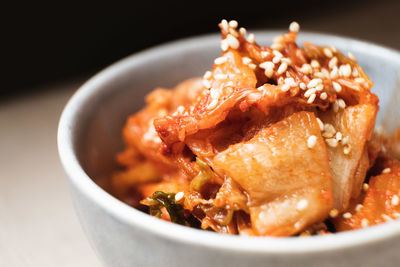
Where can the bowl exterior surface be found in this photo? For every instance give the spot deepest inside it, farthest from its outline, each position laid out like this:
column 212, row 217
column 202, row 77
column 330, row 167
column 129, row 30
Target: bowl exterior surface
column 90, row 136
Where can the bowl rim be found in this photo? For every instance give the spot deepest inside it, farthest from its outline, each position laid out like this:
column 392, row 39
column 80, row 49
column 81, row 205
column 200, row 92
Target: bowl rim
column 116, row 208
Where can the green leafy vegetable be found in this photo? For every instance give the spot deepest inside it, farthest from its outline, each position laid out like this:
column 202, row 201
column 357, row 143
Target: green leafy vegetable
column 159, row 200
column 204, row 175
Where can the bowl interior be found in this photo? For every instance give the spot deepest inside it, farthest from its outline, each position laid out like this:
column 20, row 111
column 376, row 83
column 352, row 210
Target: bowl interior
column 124, row 93
column 112, row 95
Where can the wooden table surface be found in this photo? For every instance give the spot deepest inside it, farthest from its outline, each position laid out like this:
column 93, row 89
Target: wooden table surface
column 38, row 226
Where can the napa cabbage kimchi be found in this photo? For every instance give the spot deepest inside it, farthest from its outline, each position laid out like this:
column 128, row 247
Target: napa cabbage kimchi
column 274, row 140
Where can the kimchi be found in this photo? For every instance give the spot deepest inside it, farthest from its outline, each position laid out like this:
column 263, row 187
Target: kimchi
column 272, row 141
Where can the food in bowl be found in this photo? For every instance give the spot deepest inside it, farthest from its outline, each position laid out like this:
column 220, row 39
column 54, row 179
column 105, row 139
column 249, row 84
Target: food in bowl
column 273, row 141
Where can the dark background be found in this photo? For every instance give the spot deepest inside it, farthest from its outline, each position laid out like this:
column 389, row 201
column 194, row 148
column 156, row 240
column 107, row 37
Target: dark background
column 46, row 42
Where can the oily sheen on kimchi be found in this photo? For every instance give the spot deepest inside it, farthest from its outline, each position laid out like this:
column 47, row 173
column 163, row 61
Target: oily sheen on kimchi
column 272, row 141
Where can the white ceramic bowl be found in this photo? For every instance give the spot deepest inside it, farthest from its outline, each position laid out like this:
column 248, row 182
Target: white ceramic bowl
column 89, row 136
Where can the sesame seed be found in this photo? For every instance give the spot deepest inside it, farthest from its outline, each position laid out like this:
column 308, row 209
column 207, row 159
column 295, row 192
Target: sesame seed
column 225, row 25
column 386, row 217
column 395, row 200
column 224, row 45
column 314, row 82
column 325, row 71
column 180, row 109
column 252, row 66
column 331, row 142
column 311, row 141
column 309, row 92
column 320, row 75
column 214, row 93
column 358, row 207
column 338, row 136
column 323, row 96
column 321, row 124
column 269, row 68
column 291, row 82
column 213, row 103
column 220, row 60
column 319, row 87
column 359, row 80
column 333, row 48
column 302, row 204
column 333, row 62
column 277, row 46
column 303, row 86
column 351, row 56
column 233, row 32
column 334, row 73
column 220, row 76
column 276, row 60
column 396, row 215
column 347, row 215
column 345, row 70
column 232, row 41
column 337, row 87
column 311, row 98
column 261, row 88
column 364, row 223
column 315, row 63
column 206, row 83
column 294, row 27
column 386, row 170
column 355, row 72
column 346, row 149
column 287, row 60
column 285, row 87
column 264, row 53
column 328, row 52
column 306, row 68
column 345, row 140
column 207, row 75
column 267, row 65
column 328, row 134
column 179, row 196
column 329, row 128
column 269, row 72
column 282, row 68
column 277, row 53
column 242, row 31
column 334, row 213
column 341, row 103
column 251, row 38
column 246, row 60
column 233, row 23
column 365, row 186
